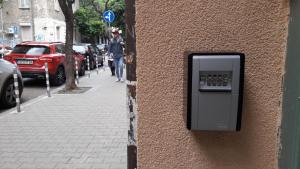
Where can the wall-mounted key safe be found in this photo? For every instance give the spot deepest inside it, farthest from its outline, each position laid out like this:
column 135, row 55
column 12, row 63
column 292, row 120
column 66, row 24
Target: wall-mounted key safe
column 215, row 91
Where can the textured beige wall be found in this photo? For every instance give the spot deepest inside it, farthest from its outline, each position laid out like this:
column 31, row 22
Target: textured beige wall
column 166, row 29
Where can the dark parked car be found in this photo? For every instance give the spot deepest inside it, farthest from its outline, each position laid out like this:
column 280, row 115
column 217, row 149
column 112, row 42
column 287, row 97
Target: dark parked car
column 92, row 51
column 97, row 53
column 103, row 48
column 7, row 89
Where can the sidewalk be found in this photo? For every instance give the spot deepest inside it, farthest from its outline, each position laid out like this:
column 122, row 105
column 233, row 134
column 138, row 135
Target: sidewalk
column 69, row 131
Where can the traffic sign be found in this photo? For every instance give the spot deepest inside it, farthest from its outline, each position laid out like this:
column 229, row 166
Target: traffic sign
column 109, row 16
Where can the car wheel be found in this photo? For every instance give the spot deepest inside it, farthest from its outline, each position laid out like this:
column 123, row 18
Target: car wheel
column 59, row 78
column 8, row 97
column 93, row 64
column 82, row 69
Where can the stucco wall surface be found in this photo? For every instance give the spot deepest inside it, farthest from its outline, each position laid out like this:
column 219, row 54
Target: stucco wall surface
column 169, row 28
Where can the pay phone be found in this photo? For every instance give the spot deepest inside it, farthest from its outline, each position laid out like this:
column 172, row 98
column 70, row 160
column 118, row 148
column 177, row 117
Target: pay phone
column 215, row 91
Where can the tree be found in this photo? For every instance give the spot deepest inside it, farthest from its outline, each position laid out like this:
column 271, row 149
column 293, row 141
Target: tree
column 85, row 3
column 96, row 9
column 99, row 5
column 89, row 18
column 118, row 7
column 89, row 22
column 66, row 7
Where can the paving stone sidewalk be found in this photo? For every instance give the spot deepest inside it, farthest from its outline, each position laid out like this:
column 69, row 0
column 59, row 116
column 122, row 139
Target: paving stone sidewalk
column 69, row 131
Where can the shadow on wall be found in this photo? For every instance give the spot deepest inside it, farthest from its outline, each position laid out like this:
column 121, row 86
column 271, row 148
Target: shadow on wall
column 224, row 147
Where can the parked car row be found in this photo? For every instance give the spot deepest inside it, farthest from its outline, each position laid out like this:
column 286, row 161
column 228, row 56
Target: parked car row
column 5, row 50
column 30, row 58
column 91, row 51
column 7, row 93
column 103, row 47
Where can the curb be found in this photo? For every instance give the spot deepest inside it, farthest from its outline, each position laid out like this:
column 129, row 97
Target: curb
column 39, row 98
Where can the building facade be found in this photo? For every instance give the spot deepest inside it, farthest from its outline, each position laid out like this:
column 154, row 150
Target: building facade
column 38, row 20
column 267, row 32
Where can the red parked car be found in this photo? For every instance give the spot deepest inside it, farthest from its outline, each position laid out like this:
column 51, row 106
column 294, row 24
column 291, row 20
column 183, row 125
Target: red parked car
column 31, row 57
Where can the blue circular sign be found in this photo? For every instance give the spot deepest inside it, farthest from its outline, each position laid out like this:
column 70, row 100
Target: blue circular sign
column 108, row 16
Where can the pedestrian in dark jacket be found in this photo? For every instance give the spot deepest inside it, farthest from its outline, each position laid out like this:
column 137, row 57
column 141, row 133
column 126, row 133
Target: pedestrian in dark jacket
column 115, row 50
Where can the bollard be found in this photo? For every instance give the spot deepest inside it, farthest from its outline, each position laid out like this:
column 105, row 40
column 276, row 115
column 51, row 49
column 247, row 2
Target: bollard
column 76, row 68
column 97, row 64
column 17, row 93
column 88, row 66
column 47, row 79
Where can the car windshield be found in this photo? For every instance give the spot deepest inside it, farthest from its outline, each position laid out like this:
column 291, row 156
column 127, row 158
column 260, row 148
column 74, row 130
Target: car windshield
column 79, row 49
column 31, row 50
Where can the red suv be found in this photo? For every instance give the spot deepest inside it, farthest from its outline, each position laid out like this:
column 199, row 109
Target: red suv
column 31, row 57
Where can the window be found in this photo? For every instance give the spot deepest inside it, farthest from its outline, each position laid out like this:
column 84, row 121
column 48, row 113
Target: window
column 57, row 33
column 26, row 33
column 59, row 48
column 24, row 3
column 31, row 50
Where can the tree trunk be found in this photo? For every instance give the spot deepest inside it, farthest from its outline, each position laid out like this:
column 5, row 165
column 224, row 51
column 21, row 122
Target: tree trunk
column 66, row 7
column 69, row 64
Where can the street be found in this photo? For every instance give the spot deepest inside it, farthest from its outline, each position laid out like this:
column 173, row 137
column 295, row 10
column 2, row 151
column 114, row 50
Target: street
column 32, row 89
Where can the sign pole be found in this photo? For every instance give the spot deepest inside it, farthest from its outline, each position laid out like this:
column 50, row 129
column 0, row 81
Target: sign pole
column 109, row 31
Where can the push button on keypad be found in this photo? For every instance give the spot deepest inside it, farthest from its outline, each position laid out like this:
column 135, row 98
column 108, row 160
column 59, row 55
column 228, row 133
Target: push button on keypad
column 215, row 80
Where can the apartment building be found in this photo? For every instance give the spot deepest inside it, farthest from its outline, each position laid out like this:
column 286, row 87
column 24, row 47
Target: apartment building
column 27, row 20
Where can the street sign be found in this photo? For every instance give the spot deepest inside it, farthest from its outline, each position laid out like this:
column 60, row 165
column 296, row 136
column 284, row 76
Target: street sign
column 108, row 16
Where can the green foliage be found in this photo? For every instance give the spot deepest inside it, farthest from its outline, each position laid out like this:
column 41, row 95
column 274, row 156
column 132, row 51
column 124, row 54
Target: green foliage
column 118, row 7
column 86, row 3
column 89, row 22
column 93, row 10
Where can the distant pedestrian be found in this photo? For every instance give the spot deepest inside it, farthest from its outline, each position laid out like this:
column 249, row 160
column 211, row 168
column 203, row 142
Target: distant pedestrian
column 115, row 50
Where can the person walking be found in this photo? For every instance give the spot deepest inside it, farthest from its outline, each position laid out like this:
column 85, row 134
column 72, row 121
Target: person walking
column 115, row 50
